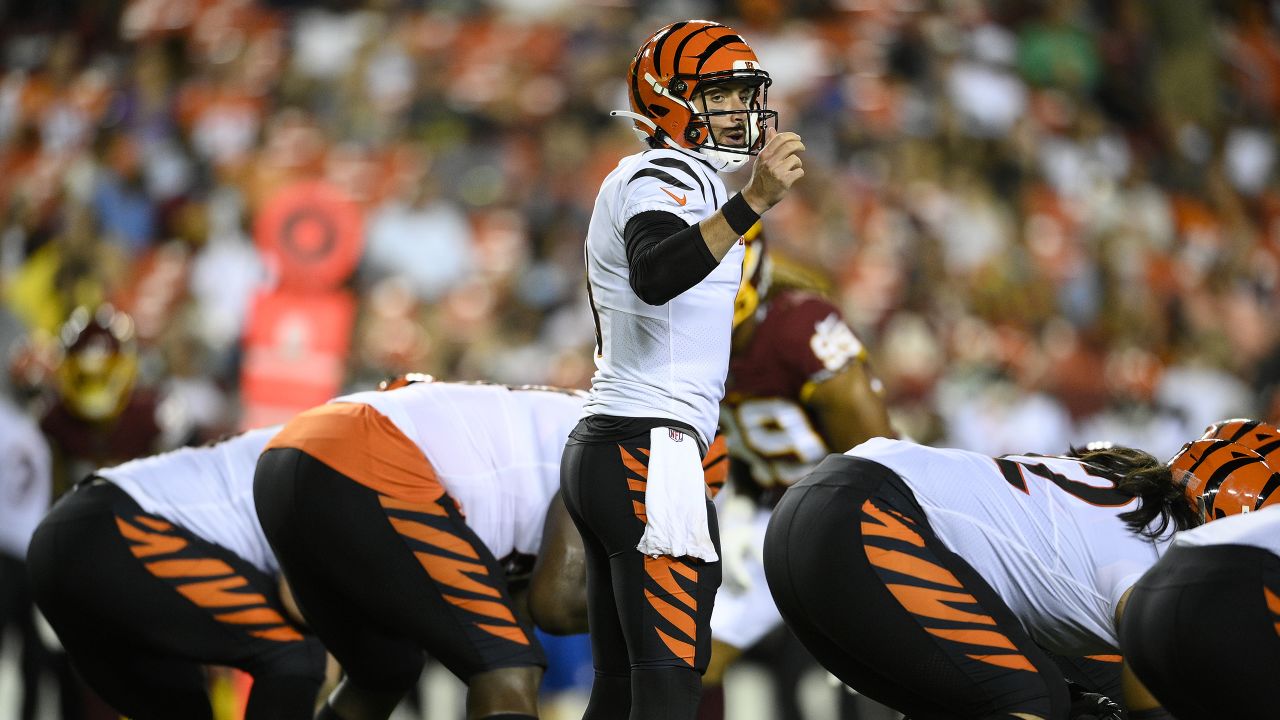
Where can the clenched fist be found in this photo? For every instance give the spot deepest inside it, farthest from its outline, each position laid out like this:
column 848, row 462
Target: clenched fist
column 777, row 168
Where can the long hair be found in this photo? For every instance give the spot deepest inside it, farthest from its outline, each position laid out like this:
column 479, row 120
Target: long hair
column 1141, row 475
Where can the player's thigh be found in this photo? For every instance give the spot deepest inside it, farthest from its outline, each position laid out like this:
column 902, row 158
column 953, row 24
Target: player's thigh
column 161, row 588
column 663, row 604
column 379, row 578
column 608, row 644
column 884, row 606
column 139, row 684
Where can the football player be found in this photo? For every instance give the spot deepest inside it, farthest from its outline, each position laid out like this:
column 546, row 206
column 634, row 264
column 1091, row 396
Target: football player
column 150, row 570
column 663, row 264
column 1207, row 615
column 400, row 518
column 799, row 386
column 928, row 579
column 100, row 416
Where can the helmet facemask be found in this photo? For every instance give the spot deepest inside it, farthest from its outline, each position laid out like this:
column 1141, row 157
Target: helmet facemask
column 668, row 78
column 699, row 131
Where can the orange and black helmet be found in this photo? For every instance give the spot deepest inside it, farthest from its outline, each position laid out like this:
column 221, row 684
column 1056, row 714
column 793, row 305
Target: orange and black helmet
column 672, row 70
column 1222, row 478
column 1260, row 437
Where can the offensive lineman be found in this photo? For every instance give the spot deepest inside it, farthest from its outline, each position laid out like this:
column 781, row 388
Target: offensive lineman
column 963, row 564
column 401, row 518
column 152, row 569
column 663, row 266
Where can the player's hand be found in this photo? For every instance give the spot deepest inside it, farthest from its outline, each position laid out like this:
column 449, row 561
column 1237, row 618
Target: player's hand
column 777, row 168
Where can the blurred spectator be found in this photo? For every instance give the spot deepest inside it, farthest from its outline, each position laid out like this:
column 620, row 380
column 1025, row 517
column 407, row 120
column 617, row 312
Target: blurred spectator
column 418, row 235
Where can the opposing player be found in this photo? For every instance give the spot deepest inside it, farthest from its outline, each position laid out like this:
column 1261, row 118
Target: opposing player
column 961, row 566
column 1207, row 615
column 398, row 517
column 100, row 416
column 663, row 267
column 151, row 570
column 799, row 386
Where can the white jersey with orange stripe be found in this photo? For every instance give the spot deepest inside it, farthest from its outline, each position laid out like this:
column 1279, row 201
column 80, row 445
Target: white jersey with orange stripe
column 495, row 449
column 206, row 490
column 670, row 360
column 1043, row 531
column 1259, row 529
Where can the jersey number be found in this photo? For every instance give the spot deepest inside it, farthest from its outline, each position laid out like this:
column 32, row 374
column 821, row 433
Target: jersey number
column 781, row 444
column 1015, row 473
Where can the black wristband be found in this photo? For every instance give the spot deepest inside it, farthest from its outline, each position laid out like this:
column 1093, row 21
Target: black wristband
column 739, row 214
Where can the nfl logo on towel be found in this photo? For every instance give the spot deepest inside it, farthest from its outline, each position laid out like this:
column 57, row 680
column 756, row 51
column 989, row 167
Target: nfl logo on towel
column 675, row 435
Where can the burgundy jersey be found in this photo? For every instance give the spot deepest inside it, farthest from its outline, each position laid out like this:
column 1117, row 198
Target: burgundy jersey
column 80, row 447
column 773, row 441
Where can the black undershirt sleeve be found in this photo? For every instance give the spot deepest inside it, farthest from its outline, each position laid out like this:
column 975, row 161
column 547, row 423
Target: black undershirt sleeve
column 665, row 256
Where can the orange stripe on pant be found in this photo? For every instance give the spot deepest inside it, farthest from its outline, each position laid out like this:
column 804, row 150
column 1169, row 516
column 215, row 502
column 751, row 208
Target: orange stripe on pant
column 207, row 594
column 931, row 603
column 454, row 573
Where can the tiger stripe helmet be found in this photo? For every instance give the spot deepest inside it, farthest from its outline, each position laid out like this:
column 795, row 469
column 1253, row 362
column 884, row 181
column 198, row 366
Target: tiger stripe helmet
column 1222, row 478
column 674, row 67
column 1260, row 437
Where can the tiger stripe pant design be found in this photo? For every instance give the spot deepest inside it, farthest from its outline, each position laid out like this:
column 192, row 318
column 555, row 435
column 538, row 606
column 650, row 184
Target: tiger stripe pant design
column 864, row 583
column 141, row 604
column 644, row 611
column 382, row 579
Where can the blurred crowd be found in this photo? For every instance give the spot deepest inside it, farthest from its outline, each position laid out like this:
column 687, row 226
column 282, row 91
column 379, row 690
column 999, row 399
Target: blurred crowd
column 1051, row 222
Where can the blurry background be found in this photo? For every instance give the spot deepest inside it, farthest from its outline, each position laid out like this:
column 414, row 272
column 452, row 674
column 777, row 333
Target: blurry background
column 1051, row 222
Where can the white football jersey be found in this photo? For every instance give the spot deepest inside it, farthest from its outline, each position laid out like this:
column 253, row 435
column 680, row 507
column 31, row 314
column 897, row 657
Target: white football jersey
column 206, row 490
column 26, row 480
column 666, row 361
column 1042, row 531
column 495, row 449
column 1260, row 529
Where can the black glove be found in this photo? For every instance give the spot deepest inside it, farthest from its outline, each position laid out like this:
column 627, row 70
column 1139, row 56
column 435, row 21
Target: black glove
column 1092, row 706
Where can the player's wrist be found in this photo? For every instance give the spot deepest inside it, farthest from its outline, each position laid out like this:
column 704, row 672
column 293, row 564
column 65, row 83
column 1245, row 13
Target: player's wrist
column 740, row 214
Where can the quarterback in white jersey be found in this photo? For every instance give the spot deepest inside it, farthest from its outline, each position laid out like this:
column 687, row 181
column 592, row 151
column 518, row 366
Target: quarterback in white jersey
column 404, row 519
column 664, row 260
column 929, row 579
column 149, row 570
column 664, row 360
column 1201, row 629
